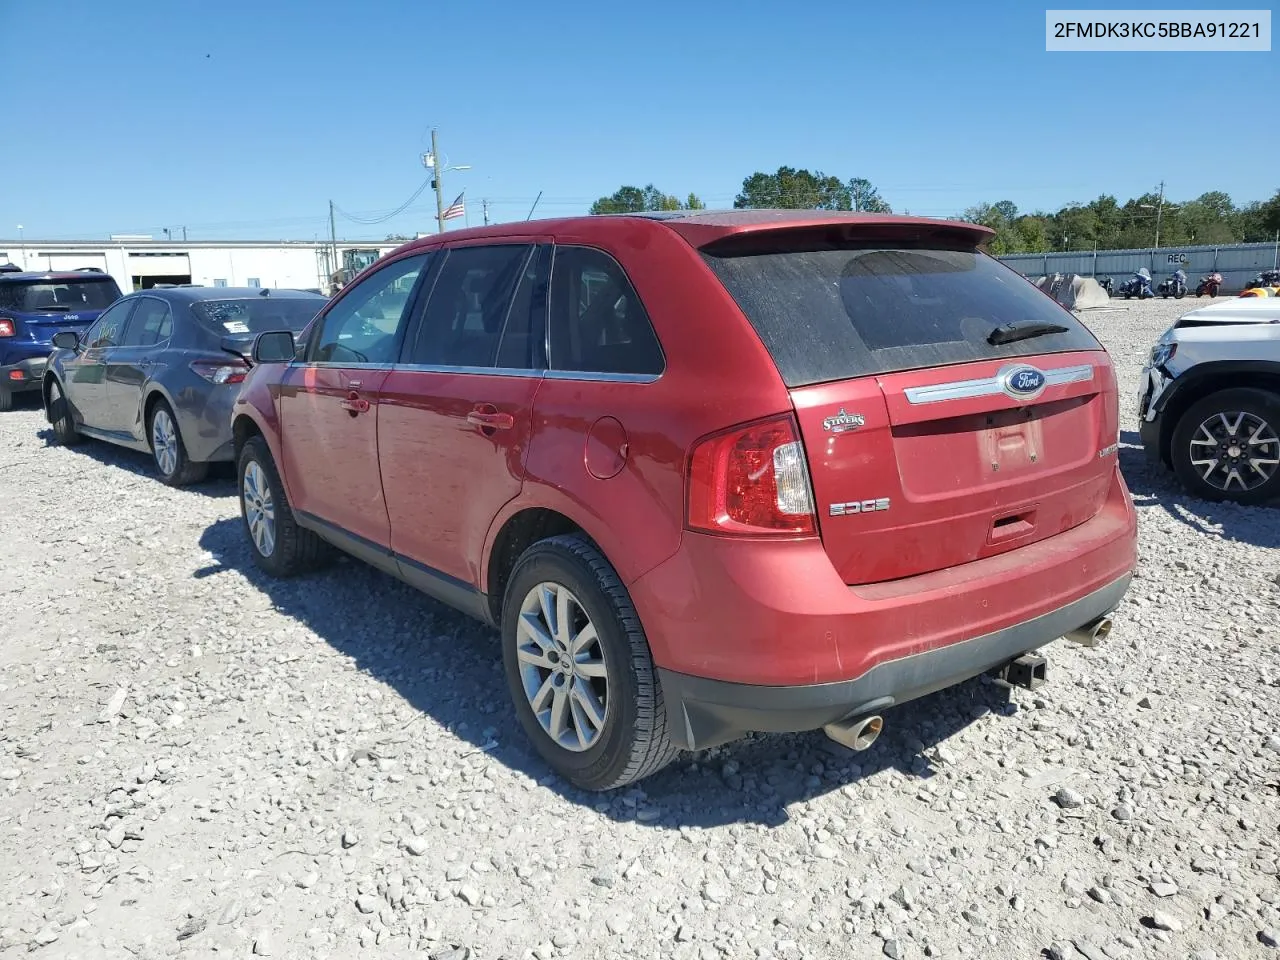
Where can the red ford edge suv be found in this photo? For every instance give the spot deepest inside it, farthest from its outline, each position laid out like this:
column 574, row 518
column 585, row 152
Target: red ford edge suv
column 707, row 473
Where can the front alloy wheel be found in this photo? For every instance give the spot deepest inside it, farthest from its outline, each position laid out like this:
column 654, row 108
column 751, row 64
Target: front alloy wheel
column 562, row 667
column 1226, row 446
column 259, row 508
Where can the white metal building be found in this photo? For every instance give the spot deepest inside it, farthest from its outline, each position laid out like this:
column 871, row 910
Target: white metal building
column 141, row 262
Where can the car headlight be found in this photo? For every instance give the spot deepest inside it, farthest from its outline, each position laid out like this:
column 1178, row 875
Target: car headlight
column 1162, row 353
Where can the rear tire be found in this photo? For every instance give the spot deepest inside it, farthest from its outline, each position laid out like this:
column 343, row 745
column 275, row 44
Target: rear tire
column 58, row 411
column 609, row 675
column 169, row 452
column 1254, row 415
column 6, row 401
column 279, row 546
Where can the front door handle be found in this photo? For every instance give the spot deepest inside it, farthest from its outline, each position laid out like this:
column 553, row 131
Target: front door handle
column 488, row 420
column 354, row 404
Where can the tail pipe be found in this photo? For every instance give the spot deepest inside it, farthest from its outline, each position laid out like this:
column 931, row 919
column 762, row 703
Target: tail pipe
column 1091, row 634
column 855, row 734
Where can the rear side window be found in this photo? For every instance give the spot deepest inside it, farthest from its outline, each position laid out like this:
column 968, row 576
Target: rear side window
column 597, row 322
column 150, row 324
column 467, row 311
column 58, row 296
column 833, row 314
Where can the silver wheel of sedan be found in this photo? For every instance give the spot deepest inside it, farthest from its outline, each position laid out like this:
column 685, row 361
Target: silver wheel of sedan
column 259, row 508
column 562, row 667
column 164, row 441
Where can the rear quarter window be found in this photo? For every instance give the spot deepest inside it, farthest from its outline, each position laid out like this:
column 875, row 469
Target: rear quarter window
column 833, row 314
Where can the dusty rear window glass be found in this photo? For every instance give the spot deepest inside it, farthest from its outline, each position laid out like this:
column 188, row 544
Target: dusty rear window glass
column 257, row 315
column 833, row 314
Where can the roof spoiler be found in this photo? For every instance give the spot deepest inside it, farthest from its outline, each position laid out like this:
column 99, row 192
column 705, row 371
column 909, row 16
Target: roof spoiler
column 836, row 235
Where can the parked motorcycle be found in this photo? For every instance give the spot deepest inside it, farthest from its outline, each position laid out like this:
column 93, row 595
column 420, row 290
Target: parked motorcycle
column 1209, row 285
column 1106, row 284
column 1138, row 285
column 1265, row 284
column 1174, row 285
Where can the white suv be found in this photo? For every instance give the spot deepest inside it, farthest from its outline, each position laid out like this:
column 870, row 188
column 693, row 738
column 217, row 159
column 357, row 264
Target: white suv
column 1209, row 401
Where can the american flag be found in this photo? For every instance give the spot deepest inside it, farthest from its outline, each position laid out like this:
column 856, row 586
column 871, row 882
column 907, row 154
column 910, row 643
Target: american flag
column 455, row 209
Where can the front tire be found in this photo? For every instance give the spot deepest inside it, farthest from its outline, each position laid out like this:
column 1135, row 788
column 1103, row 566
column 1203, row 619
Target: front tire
column 1227, row 446
column 279, row 546
column 169, row 452
column 60, row 417
column 579, row 668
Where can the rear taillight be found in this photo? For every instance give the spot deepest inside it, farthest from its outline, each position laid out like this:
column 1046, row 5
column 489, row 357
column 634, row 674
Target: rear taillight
column 751, row 480
column 221, row 371
column 6, row 327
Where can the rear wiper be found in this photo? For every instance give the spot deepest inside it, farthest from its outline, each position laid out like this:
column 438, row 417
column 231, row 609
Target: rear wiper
column 1012, row 332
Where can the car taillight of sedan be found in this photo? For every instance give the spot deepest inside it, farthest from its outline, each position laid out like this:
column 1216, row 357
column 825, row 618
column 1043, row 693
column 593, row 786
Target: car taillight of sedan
column 221, row 371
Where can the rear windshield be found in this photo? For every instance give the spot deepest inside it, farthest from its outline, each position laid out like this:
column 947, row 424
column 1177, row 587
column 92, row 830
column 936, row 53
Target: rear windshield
column 58, row 296
column 257, row 314
column 832, row 314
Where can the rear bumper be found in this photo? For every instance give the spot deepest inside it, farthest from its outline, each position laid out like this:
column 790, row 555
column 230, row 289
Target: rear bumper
column 204, row 418
column 709, row 712
column 755, row 616
column 23, row 375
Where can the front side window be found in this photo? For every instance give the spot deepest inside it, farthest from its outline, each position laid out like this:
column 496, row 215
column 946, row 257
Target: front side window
column 107, row 331
column 365, row 325
column 150, row 324
column 466, row 315
column 597, row 323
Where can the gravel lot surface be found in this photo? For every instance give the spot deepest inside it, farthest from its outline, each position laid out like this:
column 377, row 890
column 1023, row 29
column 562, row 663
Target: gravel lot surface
column 197, row 761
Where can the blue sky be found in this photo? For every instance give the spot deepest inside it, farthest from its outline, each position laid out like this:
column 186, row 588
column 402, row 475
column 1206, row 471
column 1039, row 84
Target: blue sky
column 241, row 119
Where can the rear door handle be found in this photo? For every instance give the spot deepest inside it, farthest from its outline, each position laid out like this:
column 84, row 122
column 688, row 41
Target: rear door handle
column 353, row 403
column 494, row 420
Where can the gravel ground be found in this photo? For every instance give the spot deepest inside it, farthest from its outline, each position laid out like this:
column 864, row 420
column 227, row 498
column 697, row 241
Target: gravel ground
column 196, row 760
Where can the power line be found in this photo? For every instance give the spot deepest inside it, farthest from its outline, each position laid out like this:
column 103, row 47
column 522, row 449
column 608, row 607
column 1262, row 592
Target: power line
column 394, row 213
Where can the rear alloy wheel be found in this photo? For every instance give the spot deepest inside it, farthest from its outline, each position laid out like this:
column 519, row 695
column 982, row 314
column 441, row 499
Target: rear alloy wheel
column 59, row 414
column 579, row 668
column 175, row 467
column 1227, row 446
column 279, row 546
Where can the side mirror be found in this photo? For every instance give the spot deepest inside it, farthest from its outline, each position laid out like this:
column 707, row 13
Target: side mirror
column 275, row 346
column 66, row 340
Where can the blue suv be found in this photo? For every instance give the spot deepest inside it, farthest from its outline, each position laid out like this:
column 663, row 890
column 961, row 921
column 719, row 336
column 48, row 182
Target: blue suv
column 35, row 306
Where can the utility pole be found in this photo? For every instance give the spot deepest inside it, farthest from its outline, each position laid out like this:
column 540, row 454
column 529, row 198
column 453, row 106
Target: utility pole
column 1159, row 210
column 485, row 205
column 333, row 243
column 184, row 234
column 437, row 173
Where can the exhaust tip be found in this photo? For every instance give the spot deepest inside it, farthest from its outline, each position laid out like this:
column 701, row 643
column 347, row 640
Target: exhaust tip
column 855, row 734
column 1091, row 634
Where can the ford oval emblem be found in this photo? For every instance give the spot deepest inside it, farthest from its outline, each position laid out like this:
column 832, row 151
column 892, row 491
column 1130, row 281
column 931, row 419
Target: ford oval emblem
column 1023, row 382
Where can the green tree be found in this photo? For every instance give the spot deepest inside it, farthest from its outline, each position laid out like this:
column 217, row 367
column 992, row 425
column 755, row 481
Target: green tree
column 1033, row 233
column 793, row 189
column 1007, row 210
column 641, row 199
column 865, row 198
